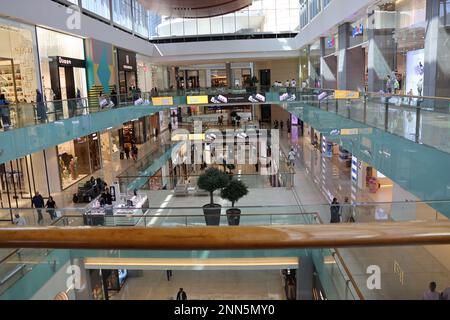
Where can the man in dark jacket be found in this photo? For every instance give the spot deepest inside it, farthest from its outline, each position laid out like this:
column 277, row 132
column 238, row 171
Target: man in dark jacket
column 335, row 211
column 38, row 203
column 181, row 295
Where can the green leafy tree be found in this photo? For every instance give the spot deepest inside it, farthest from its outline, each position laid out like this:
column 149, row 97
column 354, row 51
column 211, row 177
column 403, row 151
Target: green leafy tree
column 234, row 191
column 211, row 180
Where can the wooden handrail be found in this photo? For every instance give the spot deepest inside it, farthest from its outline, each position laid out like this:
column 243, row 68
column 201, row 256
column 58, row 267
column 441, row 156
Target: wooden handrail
column 230, row 238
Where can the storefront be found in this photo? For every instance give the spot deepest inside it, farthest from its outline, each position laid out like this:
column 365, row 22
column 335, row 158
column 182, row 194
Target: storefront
column 164, row 120
column 78, row 159
column 128, row 78
column 149, row 75
column 154, row 124
column 133, row 132
column 399, row 38
column 110, row 145
column 19, row 70
column 63, row 68
column 21, row 178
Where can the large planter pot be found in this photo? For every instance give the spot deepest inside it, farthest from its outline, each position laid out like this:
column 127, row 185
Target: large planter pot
column 234, row 216
column 212, row 214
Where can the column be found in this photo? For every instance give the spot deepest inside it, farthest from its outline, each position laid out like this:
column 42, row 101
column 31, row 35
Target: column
column 229, row 73
column 328, row 67
column 343, row 35
column 351, row 62
column 208, row 78
column 382, row 51
column 305, row 276
column 432, row 49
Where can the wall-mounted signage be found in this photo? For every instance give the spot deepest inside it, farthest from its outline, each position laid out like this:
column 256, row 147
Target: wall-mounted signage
column 331, row 43
column 162, row 101
column 237, row 98
column 346, row 94
column 358, row 31
column 126, row 60
column 197, row 100
column 69, row 62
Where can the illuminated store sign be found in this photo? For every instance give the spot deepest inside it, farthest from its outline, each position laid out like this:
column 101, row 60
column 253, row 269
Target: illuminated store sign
column 358, row 31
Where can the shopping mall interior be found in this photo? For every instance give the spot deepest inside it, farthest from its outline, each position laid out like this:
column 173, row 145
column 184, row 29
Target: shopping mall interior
column 240, row 150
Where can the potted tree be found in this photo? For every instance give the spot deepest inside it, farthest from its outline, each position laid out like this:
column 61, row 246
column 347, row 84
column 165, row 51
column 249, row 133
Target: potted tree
column 234, row 192
column 211, row 180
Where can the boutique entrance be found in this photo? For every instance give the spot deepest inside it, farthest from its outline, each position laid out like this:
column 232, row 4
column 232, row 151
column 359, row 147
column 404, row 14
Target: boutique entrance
column 68, row 81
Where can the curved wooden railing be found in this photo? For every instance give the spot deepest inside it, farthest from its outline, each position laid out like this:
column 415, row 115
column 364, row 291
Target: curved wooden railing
column 230, row 238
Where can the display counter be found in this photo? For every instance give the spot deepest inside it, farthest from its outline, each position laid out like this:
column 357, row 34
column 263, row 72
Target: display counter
column 125, row 212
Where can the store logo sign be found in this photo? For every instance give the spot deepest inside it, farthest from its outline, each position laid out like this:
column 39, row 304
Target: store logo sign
column 73, row 22
column 358, row 31
column 64, row 61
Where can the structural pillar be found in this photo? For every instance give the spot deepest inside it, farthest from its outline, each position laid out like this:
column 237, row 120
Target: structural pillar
column 382, row 53
column 328, row 67
column 229, row 75
column 432, row 49
column 344, row 39
column 305, row 276
column 351, row 62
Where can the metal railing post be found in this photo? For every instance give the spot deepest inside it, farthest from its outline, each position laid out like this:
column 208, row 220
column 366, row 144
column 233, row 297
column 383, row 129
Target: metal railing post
column 365, row 108
column 386, row 116
column 417, row 125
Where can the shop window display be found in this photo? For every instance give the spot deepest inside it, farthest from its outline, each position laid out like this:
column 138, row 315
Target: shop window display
column 69, row 165
column 78, row 159
column 18, row 81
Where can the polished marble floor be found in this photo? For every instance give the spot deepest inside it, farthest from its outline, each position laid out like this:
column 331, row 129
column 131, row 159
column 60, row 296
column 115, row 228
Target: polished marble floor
column 205, row 285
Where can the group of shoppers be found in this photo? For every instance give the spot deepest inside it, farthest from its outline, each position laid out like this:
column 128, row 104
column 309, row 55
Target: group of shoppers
column 39, row 204
column 133, row 151
column 341, row 213
column 433, row 294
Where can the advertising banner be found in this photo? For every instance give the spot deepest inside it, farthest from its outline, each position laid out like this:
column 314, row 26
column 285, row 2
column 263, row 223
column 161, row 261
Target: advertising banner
column 237, row 98
column 414, row 72
column 197, row 100
column 345, row 94
column 288, row 97
column 162, row 101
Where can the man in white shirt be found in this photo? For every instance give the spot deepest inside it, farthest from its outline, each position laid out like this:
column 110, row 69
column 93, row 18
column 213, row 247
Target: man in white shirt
column 19, row 221
column 431, row 294
column 293, row 83
column 286, row 84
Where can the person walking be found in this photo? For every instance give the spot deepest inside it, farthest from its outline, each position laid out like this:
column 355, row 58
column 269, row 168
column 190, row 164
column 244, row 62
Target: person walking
column 5, row 112
column 347, row 211
column 134, row 152
column 169, row 274
column 114, row 98
column 38, row 202
column 292, row 156
column 126, row 149
column 334, row 210
column 19, row 221
column 51, row 206
column 281, row 125
column 431, row 294
column 40, row 107
column 181, row 295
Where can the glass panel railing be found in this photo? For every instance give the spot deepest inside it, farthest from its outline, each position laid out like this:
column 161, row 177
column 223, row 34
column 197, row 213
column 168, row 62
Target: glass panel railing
column 424, row 120
column 167, row 210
